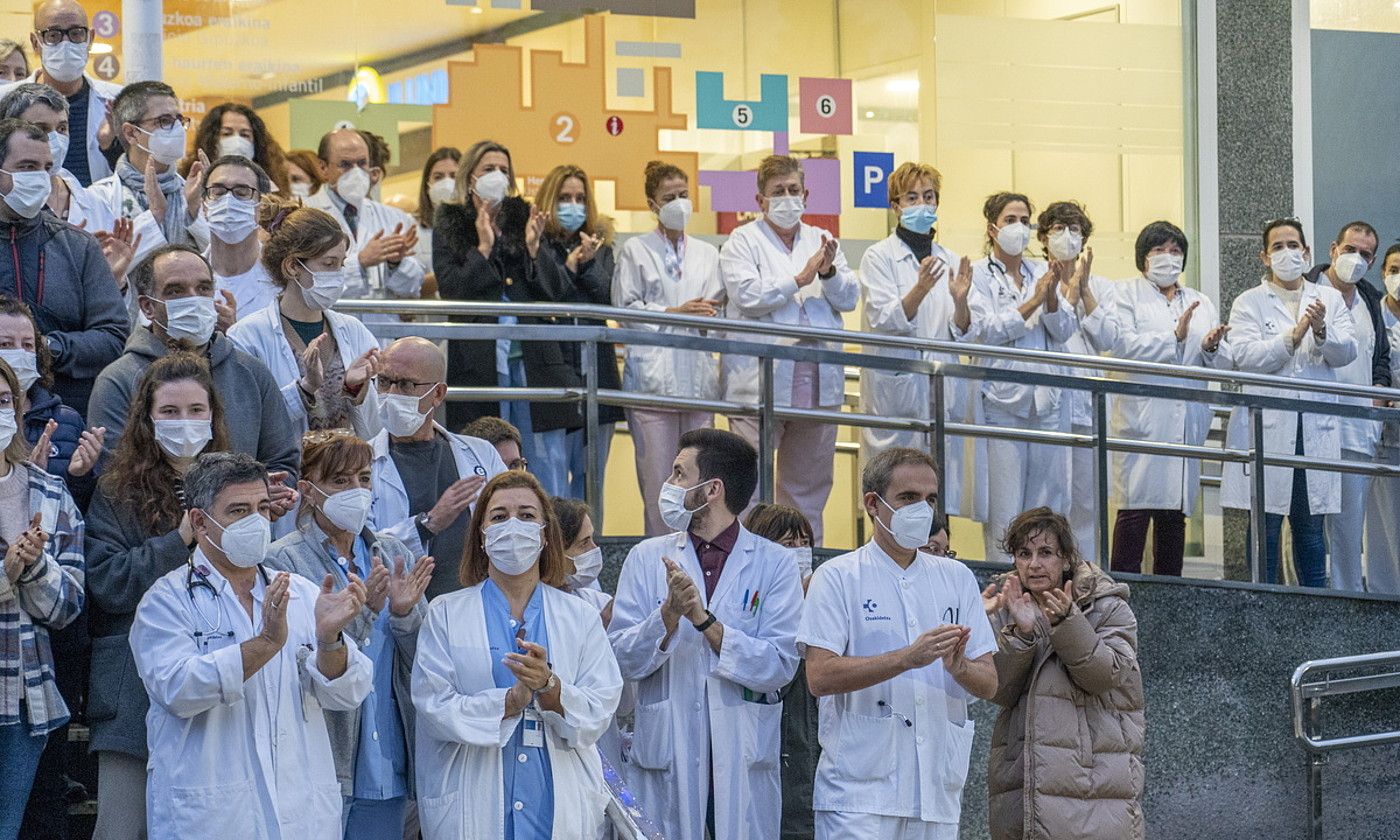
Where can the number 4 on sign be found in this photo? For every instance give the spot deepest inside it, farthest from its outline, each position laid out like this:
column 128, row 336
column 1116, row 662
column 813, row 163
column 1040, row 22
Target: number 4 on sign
column 106, row 67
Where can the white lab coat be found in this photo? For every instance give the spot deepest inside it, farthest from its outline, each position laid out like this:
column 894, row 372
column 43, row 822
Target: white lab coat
column 121, row 203
column 641, row 281
column 863, row 604
column 405, row 281
column 253, row 290
column 994, row 310
column 1097, row 333
column 85, row 209
column 234, row 759
column 100, row 93
column 692, row 709
column 1358, row 435
column 460, row 730
column 758, row 274
column 1260, row 323
column 887, row 272
column 260, row 335
column 1147, row 333
column 390, row 513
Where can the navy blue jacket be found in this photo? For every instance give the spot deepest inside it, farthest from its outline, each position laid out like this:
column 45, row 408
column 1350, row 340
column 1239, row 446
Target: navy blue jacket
column 45, row 406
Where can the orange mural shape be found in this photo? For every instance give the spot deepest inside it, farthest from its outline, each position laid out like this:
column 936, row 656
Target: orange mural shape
column 568, row 120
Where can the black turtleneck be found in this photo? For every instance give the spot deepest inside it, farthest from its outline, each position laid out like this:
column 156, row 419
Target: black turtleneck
column 920, row 243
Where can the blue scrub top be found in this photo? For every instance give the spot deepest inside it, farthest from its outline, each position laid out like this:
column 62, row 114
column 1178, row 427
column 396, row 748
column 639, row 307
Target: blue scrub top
column 381, row 760
column 526, row 776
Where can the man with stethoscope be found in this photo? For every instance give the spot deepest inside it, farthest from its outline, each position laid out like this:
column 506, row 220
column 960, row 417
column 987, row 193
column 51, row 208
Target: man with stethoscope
column 898, row 642
column 238, row 665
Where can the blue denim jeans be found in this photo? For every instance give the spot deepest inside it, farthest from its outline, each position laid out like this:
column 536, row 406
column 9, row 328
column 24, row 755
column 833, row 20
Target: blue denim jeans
column 1309, row 534
column 517, row 412
column 19, row 760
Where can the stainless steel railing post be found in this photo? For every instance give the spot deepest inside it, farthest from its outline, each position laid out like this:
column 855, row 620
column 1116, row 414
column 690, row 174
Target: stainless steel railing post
column 939, row 449
column 766, row 429
column 1101, row 478
column 593, row 455
column 1259, row 563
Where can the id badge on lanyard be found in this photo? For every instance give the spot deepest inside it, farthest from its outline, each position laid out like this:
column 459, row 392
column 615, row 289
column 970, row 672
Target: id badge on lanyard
column 534, row 728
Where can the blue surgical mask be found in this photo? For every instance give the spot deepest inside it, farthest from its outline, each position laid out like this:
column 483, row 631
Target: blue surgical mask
column 920, row 218
column 571, row 216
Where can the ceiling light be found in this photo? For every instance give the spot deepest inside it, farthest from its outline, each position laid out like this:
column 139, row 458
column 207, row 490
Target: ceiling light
column 902, row 86
column 870, row 115
column 476, row 10
column 100, row 49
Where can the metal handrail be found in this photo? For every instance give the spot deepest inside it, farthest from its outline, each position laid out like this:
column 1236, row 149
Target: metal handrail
column 1313, row 681
column 793, row 332
column 936, row 426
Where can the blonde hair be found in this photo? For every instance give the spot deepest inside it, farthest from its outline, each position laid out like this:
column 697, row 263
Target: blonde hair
column 471, row 159
column 908, row 176
column 776, row 166
column 548, row 196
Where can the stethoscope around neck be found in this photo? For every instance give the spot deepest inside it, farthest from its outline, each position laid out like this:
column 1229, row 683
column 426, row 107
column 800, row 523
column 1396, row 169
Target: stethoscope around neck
column 195, row 579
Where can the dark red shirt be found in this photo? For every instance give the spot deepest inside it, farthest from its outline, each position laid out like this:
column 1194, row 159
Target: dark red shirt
column 713, row 554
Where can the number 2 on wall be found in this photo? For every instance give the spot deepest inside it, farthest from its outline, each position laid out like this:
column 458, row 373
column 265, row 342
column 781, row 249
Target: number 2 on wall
column 565, row 124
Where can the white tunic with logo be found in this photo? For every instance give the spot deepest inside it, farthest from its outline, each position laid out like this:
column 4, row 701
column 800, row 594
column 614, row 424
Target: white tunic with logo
column 899, row 748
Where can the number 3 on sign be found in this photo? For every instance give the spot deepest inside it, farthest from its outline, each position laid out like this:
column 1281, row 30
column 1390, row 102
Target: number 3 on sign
column 563, row 128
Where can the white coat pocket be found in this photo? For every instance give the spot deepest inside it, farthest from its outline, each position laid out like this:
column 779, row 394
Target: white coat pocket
column 956, row 756
column 317, row 816
column 225, row 811
column 439, row 816
column 866, row 747
column 762, row 727
column 652, row 746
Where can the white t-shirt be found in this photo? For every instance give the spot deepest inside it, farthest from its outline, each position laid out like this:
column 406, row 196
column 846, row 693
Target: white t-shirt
column 253, row 289
column 899, row 748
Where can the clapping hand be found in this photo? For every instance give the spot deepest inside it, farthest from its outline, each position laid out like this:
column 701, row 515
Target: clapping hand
column 683, row 597
column 1020, row 605
column 960, row 284
column 406, row 590
column 227, row 310
column 119, row 246
column 1056, row 604
column 1183, row 324
column 360, row 372
column 194, row 185
column 335, row 610
column 26, row 550
column 932, row 645
column 89, row 450
column 377, row 588
column 274, row 610
column 696, row 306
column 1211, row 342
column 531, row 668
column 283, row 498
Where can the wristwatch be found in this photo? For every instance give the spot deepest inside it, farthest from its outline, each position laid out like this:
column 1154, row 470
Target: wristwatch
column 338, row 644
column 423, row 519
column 548, row 686
column 705, row 625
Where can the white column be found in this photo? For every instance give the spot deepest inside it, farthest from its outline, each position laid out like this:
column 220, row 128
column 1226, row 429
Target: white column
column 141, row 39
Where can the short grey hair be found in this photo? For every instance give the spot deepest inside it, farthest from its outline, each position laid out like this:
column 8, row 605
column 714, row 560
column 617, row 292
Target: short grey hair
column 130, row 104
column 143, row 275
column 22, row 96
column 215, row 472
column 263, row 182
column 879, row 471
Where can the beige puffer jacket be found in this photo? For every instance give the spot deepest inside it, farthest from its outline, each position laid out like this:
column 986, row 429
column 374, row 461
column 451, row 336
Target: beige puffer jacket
column 1066, row 761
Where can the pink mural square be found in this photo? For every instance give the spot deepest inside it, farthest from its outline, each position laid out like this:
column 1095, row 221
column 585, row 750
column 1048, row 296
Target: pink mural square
column 825, row 106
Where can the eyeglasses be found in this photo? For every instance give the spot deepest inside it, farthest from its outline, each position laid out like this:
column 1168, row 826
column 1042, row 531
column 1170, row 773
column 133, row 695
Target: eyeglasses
column 1059, row 228
column 54, row 36
column 518, row 464
column 241, row 191
column 165, row 122
column 386, row 385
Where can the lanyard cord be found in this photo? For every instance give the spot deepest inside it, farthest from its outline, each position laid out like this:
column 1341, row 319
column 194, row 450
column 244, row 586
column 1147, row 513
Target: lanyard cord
column 19, row 273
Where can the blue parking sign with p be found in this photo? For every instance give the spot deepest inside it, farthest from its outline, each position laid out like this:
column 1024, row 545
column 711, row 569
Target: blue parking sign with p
column 872, row 173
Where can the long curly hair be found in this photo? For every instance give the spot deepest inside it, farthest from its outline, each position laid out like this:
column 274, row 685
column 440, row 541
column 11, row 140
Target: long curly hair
column 141, row 476
column 267, row 153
